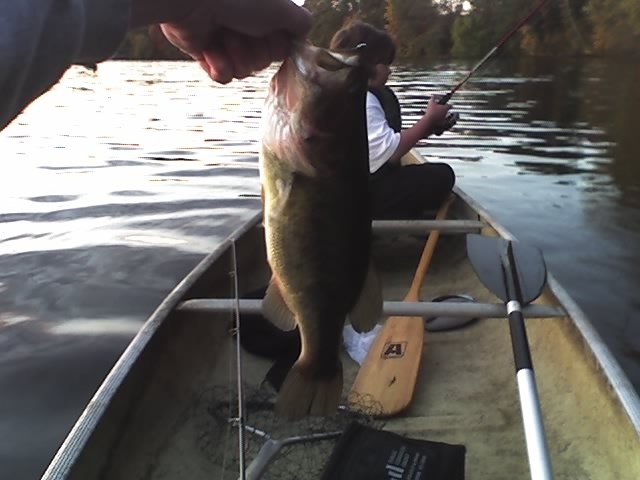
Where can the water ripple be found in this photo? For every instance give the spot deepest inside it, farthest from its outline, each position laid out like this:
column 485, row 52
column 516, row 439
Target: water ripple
column 115, row 184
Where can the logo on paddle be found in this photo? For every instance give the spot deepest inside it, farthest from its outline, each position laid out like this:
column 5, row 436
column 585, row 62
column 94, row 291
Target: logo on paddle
column 394, row 349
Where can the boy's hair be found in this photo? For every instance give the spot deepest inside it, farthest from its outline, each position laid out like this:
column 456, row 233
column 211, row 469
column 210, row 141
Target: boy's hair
column 380, row 49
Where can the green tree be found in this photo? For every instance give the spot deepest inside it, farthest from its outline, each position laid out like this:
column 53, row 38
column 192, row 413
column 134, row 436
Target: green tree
column 615, row 26
column 434, row 28
column 477, row 31
column 329, row 16
column 556, row 28
column 371, row 11
column 416, row 26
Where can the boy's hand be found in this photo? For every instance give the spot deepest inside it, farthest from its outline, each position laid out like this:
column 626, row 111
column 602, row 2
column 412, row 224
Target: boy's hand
column 439, row 118
column 450, row 120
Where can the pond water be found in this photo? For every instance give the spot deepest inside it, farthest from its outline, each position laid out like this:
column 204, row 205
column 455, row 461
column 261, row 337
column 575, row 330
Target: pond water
column 114, row 185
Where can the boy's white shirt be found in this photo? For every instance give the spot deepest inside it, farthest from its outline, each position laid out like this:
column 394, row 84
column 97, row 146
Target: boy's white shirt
column 383, row 140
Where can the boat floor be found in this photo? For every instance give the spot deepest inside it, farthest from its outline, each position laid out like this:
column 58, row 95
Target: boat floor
column 466, row 394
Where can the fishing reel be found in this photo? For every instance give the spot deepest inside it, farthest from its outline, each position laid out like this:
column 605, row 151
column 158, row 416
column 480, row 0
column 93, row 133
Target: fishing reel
column 451, row 116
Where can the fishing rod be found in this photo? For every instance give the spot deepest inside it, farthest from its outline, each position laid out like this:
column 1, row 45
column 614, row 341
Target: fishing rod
column 504, row 40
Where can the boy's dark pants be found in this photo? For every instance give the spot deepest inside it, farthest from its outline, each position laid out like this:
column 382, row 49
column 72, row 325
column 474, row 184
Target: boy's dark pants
column 405, row 192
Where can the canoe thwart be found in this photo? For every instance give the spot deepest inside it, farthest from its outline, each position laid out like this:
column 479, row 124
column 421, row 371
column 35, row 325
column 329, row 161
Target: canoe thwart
column 395, row 308
column 424, row 226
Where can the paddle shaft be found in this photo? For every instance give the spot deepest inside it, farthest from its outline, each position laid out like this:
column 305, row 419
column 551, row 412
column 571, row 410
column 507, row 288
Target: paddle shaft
column 390, row 369
column 413, row 295
column 538, row 452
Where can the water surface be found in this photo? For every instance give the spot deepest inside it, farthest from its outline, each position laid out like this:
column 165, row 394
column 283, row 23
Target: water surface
column 113, row 186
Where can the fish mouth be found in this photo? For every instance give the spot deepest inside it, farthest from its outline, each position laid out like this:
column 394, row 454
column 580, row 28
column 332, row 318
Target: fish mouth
column 308, row 59
column 309, row 71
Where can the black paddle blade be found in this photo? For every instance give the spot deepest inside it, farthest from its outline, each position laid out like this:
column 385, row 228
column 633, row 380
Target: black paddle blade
column 487, row 254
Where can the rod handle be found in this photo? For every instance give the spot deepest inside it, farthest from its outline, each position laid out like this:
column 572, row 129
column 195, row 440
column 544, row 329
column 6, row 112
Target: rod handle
column 443, row 101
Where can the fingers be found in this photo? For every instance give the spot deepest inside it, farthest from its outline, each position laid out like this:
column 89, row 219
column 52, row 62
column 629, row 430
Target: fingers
column 438, row 113
column 297, row 20
column 217, row 64
column 278, row 46
column 259, row 18
column 267, row 16
column 237, row 56
column 447, row 123
column 239, row 38
column 242, row 54
column 294, row 19
column 433, row 103
column 450, row 121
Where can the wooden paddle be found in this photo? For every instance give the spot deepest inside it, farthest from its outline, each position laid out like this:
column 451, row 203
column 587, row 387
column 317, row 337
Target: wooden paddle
column 389, row 372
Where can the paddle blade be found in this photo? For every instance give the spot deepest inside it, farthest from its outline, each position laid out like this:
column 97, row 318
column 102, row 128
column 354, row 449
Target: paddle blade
column 486, row 255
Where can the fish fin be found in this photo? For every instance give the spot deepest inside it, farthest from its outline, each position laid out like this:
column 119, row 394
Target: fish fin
column 301, row 394
column 368, row 309
column 284, row 189
column 284, row 139
column 276, row 310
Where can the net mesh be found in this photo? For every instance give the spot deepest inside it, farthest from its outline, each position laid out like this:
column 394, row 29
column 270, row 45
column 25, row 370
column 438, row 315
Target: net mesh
column 218, row 431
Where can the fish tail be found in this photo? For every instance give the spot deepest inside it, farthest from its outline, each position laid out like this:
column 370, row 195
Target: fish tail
column 303, row 393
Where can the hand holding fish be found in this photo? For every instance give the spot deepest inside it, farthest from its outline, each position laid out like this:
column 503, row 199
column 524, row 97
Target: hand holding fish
column 229, row 39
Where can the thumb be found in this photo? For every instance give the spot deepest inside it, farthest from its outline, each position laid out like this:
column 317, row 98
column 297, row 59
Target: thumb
column 294, row 19
column 260, row 18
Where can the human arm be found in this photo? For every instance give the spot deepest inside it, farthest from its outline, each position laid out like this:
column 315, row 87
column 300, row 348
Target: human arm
column 435, row 119
column 40, row 39
column 385, row 145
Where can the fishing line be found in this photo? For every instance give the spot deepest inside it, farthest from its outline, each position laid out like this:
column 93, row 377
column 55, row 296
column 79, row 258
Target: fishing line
column 230, row 399
column 444, row 99
column 241, row 420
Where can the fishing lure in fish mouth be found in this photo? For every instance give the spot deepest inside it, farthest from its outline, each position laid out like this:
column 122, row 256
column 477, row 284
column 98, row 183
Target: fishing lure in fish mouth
column 320, row 66
column 301, row 50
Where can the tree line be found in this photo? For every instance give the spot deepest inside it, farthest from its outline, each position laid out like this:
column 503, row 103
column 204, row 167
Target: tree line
column 426, row 29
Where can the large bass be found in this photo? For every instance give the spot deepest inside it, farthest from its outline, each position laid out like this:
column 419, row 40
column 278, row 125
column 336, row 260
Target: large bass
column 314, row 168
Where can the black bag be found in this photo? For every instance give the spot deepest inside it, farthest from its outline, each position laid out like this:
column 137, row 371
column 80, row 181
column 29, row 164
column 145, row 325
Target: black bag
column 364, row 453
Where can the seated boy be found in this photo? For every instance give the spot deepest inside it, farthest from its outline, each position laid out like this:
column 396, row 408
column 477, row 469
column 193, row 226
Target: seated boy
column 397, row 191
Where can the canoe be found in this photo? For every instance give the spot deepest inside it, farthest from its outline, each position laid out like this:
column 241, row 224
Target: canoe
column 153, row 416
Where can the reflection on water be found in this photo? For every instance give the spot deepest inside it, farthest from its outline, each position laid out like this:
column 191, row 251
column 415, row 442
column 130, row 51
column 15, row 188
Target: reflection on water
column 113, row 186
column 558, row 165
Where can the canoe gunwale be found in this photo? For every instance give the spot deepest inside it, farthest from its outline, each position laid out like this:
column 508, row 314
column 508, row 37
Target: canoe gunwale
column 602, row 355
column 73, row 444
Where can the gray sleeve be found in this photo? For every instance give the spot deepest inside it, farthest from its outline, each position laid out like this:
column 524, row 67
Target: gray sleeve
column 40, row 39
